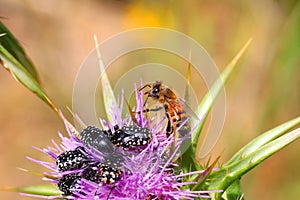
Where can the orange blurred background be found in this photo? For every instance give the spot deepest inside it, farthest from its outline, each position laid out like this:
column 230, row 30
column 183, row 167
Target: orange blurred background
column 262, row 93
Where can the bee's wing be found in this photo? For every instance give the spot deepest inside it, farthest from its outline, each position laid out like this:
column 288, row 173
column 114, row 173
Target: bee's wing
column 184, row 114
column 189, row 111
column 184, row 126
column 208, row 139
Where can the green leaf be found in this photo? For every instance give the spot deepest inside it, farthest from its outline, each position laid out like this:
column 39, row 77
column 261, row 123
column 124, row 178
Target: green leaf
column 22, row 75
column 108, row 94
column 208, row 100
column 233, row 192
column 188, row 162
column 10, row 43
column 42, row 190
column 14, row 59
column 188, row 158
column 264, row 138
column 227, row 175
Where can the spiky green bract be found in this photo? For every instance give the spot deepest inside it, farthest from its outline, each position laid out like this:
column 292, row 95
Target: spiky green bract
column 231, row 172
column 203, row 109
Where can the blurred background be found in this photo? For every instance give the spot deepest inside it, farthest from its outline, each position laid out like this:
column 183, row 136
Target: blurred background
column 262, row 93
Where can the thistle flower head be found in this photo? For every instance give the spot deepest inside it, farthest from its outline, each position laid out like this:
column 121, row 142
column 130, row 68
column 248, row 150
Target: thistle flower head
column 123, row 160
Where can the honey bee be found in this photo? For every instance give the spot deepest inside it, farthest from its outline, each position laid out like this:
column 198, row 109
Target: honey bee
column 174, row 108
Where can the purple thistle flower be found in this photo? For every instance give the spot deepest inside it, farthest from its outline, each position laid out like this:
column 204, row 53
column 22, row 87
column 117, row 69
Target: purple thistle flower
column 141, row 171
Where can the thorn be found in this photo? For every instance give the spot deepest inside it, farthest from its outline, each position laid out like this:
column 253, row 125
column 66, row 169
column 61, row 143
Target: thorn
column 96, row 40
column 188, row 78
column 7, row 188
column 130, row 112
column 82, row 125
column 101, row 64
column 54, row 177
column 208, row 170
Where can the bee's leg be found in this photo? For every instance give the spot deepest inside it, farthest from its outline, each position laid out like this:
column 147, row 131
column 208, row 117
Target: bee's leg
column 154, row 109
column 146, row 101
column 150, row 110
column 170, row 128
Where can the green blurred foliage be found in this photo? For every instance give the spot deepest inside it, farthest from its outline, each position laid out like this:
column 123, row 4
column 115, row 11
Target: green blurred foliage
column 283, row 92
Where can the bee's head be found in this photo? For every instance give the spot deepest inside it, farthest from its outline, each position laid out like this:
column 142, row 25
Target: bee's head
column 153, row 92
column 156, row 87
